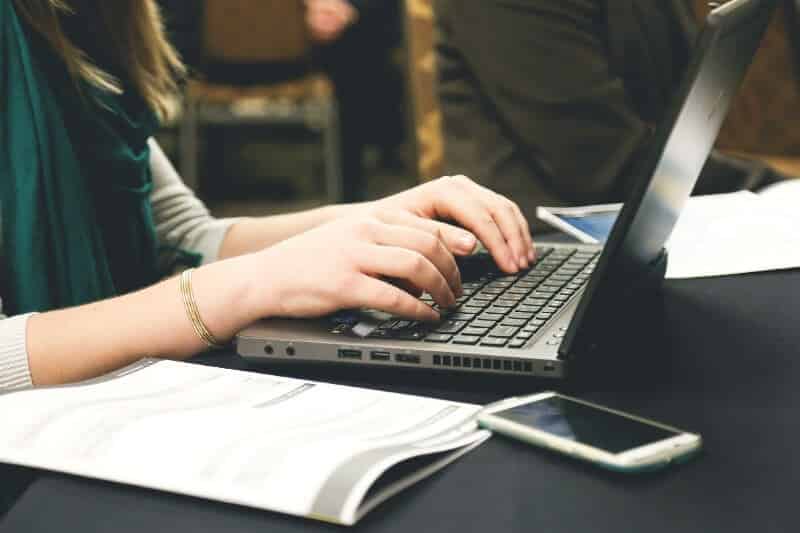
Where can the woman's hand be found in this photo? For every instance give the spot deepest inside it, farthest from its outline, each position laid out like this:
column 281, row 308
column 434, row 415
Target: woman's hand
column 380, row 262
column 494, row 219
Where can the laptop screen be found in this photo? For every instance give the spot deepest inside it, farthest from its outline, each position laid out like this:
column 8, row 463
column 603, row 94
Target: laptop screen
column 667, row 174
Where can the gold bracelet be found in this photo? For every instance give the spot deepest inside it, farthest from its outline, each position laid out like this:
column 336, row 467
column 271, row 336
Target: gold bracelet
column 193, row 313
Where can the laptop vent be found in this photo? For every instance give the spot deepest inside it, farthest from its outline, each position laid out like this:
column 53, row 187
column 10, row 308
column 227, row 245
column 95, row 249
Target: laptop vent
column 485, row 363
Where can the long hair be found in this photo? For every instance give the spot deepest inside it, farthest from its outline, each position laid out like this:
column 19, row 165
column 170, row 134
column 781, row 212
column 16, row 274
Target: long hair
column 134, row 38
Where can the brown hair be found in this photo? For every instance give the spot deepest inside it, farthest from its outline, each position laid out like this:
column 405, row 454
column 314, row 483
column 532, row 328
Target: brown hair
column 137, row 43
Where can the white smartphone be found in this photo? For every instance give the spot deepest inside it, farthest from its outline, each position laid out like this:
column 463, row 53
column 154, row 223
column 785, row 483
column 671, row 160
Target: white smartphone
column 590, row 224
column 608, row 438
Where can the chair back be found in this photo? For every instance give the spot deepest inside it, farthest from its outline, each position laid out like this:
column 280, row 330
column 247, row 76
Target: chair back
column 422, row 77
column 255, row 31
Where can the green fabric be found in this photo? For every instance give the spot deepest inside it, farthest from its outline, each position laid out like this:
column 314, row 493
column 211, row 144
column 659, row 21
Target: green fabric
column 74, row 181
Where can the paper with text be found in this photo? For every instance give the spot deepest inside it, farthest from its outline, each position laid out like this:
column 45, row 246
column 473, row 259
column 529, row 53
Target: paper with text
column 303, row 448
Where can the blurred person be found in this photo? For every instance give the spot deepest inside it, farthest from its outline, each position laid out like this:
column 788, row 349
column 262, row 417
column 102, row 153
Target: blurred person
column 355, row 40
column 551, row 101
column 93, row 216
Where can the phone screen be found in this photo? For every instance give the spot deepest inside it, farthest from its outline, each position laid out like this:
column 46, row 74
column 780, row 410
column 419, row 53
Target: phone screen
column 596, row 225
column 587, row 425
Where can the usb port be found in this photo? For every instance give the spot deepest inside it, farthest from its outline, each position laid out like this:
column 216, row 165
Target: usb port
column 380, row 356
column 407, row 358
column 349, row 354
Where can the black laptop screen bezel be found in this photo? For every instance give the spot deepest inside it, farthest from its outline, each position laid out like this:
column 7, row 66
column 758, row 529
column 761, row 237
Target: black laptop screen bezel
column 623, row 263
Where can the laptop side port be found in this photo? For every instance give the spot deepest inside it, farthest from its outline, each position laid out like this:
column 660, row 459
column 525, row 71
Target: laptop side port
column 380, row 356
column 349, row 354
column 407, row 358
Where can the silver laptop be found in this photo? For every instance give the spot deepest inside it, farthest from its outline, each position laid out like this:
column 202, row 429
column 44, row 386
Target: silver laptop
column 538, row 321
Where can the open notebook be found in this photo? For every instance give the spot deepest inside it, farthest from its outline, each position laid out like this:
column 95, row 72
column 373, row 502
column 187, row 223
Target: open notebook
column 310, row 449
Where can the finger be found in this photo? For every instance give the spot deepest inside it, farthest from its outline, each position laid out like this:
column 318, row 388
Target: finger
column 465, row 209
column 457, row 240
column 408, row 265
column 407, row 286
column 526, row 233
column 505, row 214
column 376, row 294
column 427, row 244
column 508, row 218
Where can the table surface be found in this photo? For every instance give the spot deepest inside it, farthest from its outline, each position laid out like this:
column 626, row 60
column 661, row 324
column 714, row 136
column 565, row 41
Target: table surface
column 723, row 363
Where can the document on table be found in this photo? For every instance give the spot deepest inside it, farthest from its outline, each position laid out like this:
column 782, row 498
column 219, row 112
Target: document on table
column 304, row 448
column 733, row 234
column 724, row 234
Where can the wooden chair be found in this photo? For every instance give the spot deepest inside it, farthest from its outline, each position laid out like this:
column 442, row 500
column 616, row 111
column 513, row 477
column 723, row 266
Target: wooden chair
column 422, row 76
column 255, row 34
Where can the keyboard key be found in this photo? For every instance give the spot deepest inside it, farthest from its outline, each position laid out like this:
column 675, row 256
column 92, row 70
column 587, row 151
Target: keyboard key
column 483, row 323
column 494, row 341
column 517, row 343
column 521, row 316
column 524, row 334
column 450, row 326
column 506, row 304
column 408, row 334
column 497, row 310
column 503, row 331
column 491, row 317
column 466, row 339
column 438, row 337
column 513, row 322
column 472, row 330
column 458, row 315
column 521, row 291
column 536, row 301
column 492, row 291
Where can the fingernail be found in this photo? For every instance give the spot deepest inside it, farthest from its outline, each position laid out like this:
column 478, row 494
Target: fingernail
column 467, row 242
column 513, row 262
column 523, row 262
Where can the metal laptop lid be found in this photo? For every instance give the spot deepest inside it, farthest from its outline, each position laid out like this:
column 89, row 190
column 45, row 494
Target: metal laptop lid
column 669, row 170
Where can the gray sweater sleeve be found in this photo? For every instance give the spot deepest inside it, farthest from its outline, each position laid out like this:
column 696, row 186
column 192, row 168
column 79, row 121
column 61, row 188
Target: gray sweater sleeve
column 182, row 222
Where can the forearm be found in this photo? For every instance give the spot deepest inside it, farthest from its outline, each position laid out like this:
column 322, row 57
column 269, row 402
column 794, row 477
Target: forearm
column 83, row 342
column 253, row 234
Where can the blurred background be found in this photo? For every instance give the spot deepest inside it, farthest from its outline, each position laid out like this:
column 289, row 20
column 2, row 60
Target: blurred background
column 296, row 103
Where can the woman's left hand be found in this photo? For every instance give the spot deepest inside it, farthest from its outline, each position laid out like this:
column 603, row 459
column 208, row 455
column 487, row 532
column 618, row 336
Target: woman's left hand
column 494, row 219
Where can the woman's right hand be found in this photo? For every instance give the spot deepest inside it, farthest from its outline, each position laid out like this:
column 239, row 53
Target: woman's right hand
column 379, row 262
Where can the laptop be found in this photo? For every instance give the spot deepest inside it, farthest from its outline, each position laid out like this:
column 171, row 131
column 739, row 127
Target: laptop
column 537, row 322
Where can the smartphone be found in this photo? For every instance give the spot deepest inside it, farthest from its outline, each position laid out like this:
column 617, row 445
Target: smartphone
column 590, row 224
column 608, row 438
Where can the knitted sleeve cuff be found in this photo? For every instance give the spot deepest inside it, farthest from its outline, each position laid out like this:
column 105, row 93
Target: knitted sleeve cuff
column 15, row 372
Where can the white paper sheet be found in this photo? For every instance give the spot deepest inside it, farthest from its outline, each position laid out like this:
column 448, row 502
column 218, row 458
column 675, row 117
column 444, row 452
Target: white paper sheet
column 736, row 233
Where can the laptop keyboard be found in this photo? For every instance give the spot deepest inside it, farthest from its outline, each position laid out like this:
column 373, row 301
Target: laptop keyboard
column 497, row 309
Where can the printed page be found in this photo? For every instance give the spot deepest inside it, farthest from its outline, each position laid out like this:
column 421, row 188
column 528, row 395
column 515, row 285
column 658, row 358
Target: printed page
column 726, row 234
column 298, row 447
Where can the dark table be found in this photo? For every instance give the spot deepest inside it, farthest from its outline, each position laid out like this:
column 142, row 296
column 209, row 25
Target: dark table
column 725, row 365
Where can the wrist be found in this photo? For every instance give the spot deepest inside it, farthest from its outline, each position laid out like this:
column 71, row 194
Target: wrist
column 337, row 211
column 223, row 292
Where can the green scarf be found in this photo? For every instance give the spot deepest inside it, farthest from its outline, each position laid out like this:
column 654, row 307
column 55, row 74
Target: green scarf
column 75, row 180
